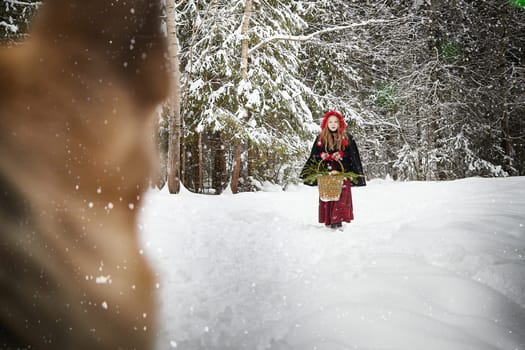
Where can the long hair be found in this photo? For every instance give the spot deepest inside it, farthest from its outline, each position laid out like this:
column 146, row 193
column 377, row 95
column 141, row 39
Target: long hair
column 333, row 141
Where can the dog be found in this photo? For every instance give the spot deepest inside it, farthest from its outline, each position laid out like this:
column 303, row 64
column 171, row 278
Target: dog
column 76, row 106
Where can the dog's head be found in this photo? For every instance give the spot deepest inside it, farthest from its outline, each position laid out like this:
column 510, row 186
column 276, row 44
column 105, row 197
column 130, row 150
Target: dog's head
column 75, row 153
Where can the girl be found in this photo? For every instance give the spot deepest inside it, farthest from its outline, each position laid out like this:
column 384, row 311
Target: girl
column 332, row 146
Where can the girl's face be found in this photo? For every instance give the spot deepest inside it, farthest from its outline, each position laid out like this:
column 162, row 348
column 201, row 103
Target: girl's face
column 333, row 123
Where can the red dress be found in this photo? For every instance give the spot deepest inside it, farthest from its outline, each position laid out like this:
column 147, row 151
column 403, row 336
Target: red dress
column 338, row 211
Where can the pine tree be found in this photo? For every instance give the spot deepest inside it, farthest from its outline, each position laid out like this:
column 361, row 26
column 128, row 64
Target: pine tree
column 267, row 109
column 15, row 17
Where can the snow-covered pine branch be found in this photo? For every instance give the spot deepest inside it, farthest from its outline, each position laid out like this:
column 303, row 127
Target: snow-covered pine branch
column 23, row 3
column 11, row 27
column 317, row 33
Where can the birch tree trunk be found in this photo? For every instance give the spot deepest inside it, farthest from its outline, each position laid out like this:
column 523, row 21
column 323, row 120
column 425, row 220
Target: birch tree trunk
column 244, row 73
column 173, row 102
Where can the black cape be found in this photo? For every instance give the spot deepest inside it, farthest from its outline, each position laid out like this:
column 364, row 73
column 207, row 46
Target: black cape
column 351, row 161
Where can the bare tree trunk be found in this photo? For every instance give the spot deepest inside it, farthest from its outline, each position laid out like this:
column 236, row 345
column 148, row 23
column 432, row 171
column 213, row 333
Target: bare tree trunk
column 244, row 42
column 192, row 169
column 237, row 167
column 252, row 156
column 173, row 102
column 183, row 172
column 506, row 86
column 219, row 163
column 162, row 148
column 200, row 168
column 244, row 73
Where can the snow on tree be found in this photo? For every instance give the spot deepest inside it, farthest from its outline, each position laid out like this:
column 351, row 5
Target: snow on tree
column 431, row 90
column 268, row 108
column 15, row 16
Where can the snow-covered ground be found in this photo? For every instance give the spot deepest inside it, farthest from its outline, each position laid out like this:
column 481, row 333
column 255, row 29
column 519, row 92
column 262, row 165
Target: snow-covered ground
column 425, row 265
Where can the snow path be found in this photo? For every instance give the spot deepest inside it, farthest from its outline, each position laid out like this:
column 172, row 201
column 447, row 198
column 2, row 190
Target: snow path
column 425, row 265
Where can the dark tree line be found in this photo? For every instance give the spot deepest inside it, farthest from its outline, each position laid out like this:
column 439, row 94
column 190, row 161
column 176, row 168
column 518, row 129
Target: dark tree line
column 437, row 93
column 430, row 89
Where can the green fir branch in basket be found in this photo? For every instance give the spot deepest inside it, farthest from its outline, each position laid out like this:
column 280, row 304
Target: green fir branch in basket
column 314, row 170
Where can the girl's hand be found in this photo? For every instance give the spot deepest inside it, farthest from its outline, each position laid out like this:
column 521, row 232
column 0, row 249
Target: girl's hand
column 336, row 155
column 324, row 155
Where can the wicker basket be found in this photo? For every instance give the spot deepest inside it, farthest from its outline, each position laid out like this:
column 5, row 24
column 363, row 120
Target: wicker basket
column 330, row 186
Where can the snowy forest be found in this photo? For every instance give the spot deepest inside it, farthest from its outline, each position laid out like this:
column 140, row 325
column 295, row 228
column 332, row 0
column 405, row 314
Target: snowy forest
column 431, row 90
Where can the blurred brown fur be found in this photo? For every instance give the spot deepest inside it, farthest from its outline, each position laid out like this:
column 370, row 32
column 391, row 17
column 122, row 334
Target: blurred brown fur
column 76, row 102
